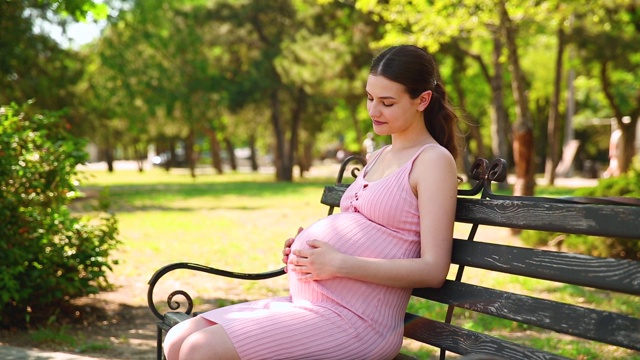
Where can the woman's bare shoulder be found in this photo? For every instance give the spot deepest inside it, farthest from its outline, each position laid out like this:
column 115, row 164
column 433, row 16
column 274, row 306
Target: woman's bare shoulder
column 435, row 162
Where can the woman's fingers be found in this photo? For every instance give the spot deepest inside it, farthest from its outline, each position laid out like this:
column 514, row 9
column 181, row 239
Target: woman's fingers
column 286, row 251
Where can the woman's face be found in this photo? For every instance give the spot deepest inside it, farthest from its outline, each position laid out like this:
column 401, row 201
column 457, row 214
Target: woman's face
column 390, row 107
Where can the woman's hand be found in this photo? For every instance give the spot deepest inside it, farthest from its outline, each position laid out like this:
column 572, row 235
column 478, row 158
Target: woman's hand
column 287, row 249
column 319, row 262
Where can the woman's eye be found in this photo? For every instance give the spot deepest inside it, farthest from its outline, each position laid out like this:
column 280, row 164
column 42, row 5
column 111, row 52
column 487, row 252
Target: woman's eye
column 387, row 105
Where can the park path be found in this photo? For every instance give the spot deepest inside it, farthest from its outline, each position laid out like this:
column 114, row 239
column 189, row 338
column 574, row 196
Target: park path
column 16, row 353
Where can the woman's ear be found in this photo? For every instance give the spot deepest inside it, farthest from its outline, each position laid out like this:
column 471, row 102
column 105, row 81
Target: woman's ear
column 424, row 99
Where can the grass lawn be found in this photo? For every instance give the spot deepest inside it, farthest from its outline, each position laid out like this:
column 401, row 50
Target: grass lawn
column 239, row 222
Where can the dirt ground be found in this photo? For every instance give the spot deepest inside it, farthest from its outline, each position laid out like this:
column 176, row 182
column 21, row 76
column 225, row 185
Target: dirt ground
column 109, row 326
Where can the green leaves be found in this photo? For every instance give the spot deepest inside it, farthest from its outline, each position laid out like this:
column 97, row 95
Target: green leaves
column 46, row 254
column 78, row 9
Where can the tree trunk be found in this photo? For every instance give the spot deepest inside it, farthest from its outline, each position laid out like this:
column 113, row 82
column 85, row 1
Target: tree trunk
column 296, row 117
column 140, row 154
column 474, row 126
column 254, row 153
column 553, row 126
column 522, row 129
column 171, row 161
column 231, row 153
column 108, row 152
column 627, row 148
column 305, row 158
column 214, row 151
column 279, row 152
column 190, row 155
column 500, row 129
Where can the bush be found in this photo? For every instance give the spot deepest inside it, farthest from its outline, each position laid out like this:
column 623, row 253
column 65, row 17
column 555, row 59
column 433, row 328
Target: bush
column 626, row 185
column 47, row 256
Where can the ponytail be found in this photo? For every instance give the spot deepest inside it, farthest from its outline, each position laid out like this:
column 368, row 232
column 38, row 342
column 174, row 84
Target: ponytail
column 441, row 121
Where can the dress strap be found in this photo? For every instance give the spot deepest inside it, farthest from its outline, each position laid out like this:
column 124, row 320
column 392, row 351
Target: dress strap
column 415, row 156
column 421, row 150
column 372, row 161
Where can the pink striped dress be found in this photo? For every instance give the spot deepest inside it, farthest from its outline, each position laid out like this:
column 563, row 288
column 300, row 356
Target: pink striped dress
column 339, row 318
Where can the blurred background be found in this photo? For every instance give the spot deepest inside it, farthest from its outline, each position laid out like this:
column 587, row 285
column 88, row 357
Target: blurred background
column 227, row 84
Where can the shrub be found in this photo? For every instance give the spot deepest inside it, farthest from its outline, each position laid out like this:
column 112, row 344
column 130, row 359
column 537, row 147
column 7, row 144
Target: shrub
column 626, row 185
column 47, row 256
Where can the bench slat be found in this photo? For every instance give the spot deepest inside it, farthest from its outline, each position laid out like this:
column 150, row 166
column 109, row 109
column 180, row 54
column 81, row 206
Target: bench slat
column 332, row 194
column 578, row 218
column 603, row 326
column 173, row 318
column 588, row 219
column 461, row 341
column 602, row 273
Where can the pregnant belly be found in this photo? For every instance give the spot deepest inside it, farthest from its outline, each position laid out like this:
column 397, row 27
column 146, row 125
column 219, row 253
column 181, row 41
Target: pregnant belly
column 353, row 234
column 350, row 233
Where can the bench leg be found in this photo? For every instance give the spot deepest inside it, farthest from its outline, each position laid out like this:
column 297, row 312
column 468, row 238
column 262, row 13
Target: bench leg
column 159, row 352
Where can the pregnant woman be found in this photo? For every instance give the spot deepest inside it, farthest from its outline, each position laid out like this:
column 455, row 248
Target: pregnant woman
column 351, row 273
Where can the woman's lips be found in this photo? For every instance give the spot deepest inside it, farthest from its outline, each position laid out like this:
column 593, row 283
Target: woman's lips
column 376, row 122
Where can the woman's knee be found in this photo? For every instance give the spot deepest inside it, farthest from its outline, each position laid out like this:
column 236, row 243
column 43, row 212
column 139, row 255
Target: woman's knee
column 176, row 335
column 173, row 341
column 210, row 343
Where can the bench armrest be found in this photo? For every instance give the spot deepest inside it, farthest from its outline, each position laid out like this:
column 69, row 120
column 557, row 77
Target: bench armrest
column 201, row 268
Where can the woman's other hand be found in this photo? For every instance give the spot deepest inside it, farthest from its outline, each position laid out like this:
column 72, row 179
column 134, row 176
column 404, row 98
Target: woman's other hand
column 287, row 249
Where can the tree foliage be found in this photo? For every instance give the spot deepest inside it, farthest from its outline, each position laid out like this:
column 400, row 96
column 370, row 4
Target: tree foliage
column 491, row 33
column 179, row 72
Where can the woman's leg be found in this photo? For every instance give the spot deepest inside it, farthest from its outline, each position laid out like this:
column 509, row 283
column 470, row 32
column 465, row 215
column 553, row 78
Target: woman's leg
column 211, row 343
column 198, row 338
column 177, row 335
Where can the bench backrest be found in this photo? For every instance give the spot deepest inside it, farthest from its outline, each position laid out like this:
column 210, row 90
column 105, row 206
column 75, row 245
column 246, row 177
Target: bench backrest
column 480, row 207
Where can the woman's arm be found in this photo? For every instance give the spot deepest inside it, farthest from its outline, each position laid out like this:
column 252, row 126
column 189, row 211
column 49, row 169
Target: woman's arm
column 434, row 178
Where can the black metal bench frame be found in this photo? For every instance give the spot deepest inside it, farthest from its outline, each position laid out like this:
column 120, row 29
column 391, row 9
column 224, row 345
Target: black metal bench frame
column 607, row 217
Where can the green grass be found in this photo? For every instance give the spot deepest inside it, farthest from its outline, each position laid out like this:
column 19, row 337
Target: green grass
column 60, row 337
column 239, row 221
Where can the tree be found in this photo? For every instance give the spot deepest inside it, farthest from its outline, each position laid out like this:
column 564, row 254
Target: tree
column 33, row 66
column 523, row 153
column 278, row 69
column 606, row 42
column 471, row 27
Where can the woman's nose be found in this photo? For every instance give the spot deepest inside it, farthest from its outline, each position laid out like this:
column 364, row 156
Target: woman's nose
column 373, row 110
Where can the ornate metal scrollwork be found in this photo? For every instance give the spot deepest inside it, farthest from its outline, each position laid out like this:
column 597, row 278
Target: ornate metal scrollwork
column 478, row 170
column 354, row 171
column 485, row 173
column 175, row 305
column 498, row 170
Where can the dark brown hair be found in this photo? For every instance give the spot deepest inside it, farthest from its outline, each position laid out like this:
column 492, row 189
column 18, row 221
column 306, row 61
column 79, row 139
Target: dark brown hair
column 417, row 71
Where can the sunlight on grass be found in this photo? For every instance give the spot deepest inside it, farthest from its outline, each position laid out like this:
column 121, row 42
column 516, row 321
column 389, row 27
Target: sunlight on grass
column 234, row 222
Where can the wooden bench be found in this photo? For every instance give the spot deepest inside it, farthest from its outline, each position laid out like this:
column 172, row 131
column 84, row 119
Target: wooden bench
column 479, row 206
